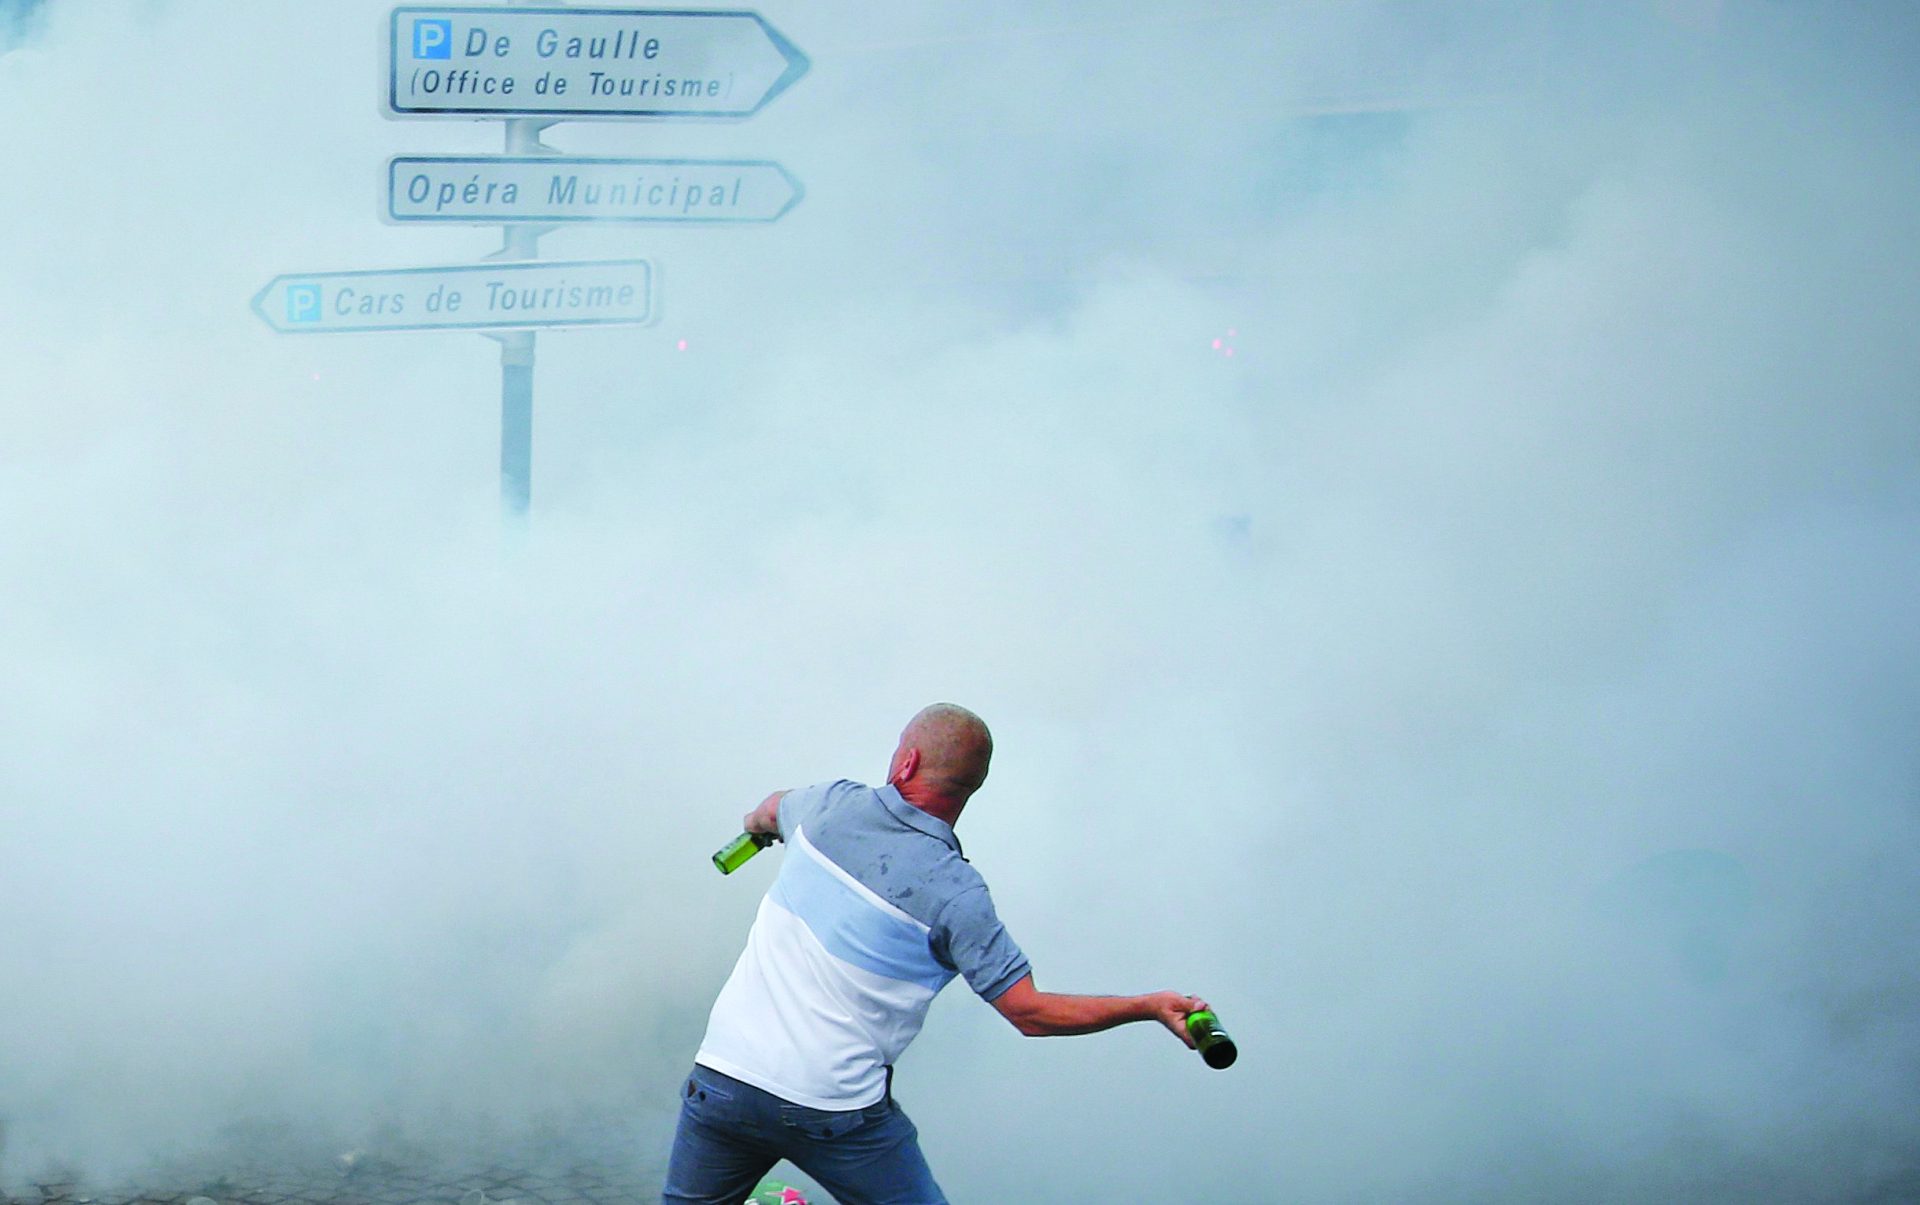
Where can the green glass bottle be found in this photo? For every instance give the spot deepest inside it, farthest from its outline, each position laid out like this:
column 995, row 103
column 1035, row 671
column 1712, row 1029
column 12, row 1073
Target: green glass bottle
column 738, row 850
column 1211, row 1040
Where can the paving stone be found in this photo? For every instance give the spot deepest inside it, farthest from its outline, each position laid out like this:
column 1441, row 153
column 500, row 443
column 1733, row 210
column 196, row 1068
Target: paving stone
column 608, row 1162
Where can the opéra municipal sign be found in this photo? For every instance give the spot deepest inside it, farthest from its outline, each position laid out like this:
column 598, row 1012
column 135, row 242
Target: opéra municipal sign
column 580, row 188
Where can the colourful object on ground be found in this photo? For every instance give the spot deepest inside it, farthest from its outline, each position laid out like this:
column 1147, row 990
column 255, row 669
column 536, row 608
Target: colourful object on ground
column 1211, row 1040
column 738, row 850
column 773, row 1192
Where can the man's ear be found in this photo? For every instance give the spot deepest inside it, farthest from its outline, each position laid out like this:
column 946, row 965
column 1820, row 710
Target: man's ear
column 908, row 764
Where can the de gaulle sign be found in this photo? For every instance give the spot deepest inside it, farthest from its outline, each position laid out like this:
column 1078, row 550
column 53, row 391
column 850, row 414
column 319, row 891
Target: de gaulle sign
column 584, row 63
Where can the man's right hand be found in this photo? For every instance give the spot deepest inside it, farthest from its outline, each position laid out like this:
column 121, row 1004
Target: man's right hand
column 765, row 819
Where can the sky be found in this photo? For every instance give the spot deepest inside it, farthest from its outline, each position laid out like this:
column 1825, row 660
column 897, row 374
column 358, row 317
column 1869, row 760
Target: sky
column 1492, row 685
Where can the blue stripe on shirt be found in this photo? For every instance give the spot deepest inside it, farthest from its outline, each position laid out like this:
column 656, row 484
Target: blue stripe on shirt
column 851, row 928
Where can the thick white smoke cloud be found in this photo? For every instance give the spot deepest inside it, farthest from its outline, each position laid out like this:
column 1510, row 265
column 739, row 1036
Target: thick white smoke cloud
column 1493, row 686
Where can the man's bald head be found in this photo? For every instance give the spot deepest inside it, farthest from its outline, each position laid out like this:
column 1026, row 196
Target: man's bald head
column 949, row 748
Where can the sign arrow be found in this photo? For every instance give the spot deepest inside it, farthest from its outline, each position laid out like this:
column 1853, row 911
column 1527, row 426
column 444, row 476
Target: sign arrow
column 519, row 295
column 584, row 63
column 550, row 189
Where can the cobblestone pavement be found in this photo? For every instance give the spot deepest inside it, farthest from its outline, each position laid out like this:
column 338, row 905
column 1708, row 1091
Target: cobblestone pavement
column 611, row 1162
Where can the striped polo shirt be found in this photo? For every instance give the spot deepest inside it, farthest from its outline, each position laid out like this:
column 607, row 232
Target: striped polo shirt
column 873, row 912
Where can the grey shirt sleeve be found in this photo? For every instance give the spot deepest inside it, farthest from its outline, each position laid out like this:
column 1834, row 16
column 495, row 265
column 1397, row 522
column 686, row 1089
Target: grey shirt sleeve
column 797, row 807
column 970, row 938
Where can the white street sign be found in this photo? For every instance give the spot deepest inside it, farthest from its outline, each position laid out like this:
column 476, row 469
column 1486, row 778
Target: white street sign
column 519, row 295
column 573, row 188
column 493, row 61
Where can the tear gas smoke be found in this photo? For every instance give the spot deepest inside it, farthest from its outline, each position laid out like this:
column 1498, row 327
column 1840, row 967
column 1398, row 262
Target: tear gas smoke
column 1492, row 685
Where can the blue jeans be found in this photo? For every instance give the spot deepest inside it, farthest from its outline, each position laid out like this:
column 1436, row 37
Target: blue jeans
column 731, row 1134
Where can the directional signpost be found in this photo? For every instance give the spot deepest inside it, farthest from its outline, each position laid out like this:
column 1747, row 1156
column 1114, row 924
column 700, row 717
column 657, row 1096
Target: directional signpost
column 531, row 67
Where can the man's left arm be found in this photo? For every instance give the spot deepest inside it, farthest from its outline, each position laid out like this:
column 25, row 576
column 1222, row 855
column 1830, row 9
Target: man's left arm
column 1039, row 1014
column 1001, row 975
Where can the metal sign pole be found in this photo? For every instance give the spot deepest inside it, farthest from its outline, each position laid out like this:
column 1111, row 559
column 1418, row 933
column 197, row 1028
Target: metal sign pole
column 516, row 347
column 516, row 422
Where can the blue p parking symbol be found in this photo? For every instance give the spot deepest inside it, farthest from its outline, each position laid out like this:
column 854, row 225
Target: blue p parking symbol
column 433, row 39
column 303, row 303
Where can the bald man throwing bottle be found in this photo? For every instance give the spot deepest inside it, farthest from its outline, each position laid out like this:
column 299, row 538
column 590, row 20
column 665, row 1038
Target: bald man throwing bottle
column 873, row 912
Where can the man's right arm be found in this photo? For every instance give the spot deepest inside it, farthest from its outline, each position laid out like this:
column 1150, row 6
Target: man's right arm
column 765, row 818
column 1039, row 1014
